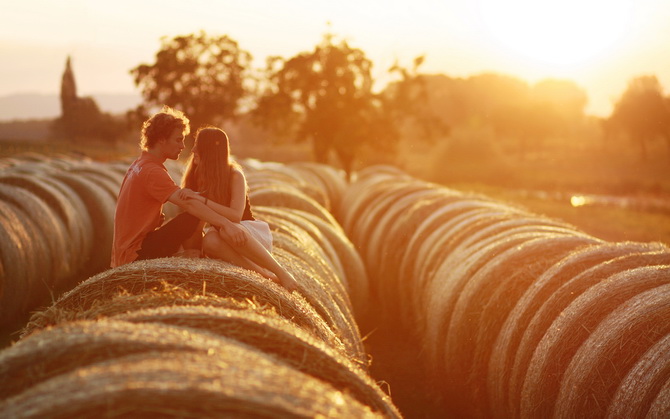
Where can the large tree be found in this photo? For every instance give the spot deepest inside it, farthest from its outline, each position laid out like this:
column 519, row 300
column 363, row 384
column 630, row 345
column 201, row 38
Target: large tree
column 326, row 96
column 642, row 112
column 204, row 76
column 323, row 96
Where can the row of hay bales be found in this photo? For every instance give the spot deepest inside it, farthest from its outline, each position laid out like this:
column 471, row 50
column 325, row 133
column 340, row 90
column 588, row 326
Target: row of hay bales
column 179, row 337
column 516, row 315
column 56, row 227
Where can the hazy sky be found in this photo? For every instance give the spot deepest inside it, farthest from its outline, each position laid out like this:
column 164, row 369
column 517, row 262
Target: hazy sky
column 600, row 44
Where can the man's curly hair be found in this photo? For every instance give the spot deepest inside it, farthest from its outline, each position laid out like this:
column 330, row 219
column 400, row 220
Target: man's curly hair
column 161, row 125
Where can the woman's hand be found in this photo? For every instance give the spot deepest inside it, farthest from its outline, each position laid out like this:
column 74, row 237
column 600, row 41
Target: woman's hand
column 185, row 194
column 234, row 234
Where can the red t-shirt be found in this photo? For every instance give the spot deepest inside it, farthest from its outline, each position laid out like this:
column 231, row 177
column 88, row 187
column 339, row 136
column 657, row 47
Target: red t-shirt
column 139, row 208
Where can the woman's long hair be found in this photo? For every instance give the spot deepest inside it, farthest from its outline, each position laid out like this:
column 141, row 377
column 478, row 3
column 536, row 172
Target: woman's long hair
column 211, row 176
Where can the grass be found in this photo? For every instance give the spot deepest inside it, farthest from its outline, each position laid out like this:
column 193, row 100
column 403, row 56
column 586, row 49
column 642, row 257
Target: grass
column 544, row 180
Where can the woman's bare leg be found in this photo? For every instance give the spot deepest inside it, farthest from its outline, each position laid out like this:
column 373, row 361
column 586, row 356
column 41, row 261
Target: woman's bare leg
column 254, row 251
column 214, row 246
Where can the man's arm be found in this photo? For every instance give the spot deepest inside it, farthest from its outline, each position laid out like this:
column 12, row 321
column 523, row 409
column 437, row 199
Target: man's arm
column 234, row 232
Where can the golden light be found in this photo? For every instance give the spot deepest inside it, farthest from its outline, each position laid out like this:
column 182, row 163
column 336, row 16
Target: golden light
column 578, row 200
column 565, row 33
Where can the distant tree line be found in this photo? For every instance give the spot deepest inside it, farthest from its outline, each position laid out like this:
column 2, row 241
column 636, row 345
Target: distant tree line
column 326, row 97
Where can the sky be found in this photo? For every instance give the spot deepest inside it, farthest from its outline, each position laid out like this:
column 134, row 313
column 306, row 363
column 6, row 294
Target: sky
column 599, row 44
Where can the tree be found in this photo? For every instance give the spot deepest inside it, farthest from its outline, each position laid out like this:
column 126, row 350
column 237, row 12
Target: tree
column 325, row 96
column 642, row 112
column 204, row 76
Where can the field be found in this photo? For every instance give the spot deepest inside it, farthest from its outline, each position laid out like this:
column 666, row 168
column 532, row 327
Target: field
column 612, row 194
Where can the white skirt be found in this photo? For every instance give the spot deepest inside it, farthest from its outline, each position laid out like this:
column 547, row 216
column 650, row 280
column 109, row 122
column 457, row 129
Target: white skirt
column 259, row 230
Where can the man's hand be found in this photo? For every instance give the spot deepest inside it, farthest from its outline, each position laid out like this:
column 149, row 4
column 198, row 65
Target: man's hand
column 234, row 233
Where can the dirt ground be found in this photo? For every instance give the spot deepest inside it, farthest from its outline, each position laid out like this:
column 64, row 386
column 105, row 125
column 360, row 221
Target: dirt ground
column 396, row 365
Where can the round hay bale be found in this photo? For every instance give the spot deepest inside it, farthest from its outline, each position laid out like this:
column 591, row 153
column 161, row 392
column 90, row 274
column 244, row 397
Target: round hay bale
column 557, row 303
column 68, row 208
column 614, row 347
column 292, row 220
column 333, row 181
column 74, row 345
column 282, row 196
column 572, row 328
column 203, row 276
column 423, row 260
column 660, row 407
column 643, row 383
column 281, row 338
column 346, row 262
column 352, row 263
column 165, row 296
column 444, row 288
column 51, row 227
column 329, row 300
column 502, row 364
column 230, row 381
column 21, row 271
column 103, row 175
column 430, row 218
column 483, row 305
column 100, row 206
column 367, row 221
column 359, row 195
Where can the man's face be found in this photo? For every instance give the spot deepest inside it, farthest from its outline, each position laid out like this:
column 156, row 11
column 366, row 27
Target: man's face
column 174, row 144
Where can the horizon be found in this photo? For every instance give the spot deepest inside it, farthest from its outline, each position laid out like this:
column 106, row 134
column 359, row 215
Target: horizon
column 599, row 45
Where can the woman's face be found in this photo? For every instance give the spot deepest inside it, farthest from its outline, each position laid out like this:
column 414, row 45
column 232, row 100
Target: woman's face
column 196, row 155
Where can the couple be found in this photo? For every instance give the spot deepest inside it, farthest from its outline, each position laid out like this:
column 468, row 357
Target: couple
column 213, row 197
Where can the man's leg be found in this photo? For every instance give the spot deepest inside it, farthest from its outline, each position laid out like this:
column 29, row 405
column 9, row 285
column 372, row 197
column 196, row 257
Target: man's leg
column 165, row 241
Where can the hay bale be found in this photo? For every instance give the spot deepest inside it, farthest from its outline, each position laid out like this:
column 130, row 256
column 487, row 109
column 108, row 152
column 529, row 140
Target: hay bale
column 293, row 198
column 422, row 260
column 333, row 181
column 330, row 301
column 103, row 175
column 20, row 247
column 572, row 328
column 230, row 379
column 555, row 305
column 482, row 307
column 614, row 347
column 452, row 275
column 660, row 407
column 281, row 338
column 212, row 277
column 74, row 345
column 360, row 195
column 100, row 207
column 66, row 206
column 292, row 220
column 165, row 295
column 643, row 383
column 505, row 364
column 51, row 227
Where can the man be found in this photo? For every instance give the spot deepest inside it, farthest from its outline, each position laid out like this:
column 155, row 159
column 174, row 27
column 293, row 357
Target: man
column 139, row 232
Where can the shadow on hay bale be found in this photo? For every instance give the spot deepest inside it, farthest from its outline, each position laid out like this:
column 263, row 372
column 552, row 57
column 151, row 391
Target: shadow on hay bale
column 493, row 293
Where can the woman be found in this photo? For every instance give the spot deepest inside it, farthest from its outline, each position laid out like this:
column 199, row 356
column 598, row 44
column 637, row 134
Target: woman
column 219, row 182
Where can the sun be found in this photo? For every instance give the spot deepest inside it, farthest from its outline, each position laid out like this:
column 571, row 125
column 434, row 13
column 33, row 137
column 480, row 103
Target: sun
column 563, row 33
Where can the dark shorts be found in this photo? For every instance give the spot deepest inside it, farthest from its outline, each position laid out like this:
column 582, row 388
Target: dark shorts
column 165, row 240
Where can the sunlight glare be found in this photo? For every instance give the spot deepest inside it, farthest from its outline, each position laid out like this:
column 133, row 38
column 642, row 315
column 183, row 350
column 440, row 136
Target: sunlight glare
column 563, row 33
